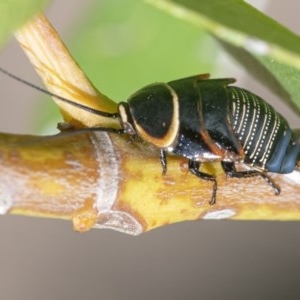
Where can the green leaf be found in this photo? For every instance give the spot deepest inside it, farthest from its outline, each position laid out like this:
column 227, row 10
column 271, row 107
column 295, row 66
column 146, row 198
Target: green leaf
column 14, row 13
column 239, row 25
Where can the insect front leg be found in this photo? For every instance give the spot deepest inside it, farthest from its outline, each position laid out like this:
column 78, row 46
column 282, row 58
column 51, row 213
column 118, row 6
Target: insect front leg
column 194, row 169
column 230, row 170
column 163, row 161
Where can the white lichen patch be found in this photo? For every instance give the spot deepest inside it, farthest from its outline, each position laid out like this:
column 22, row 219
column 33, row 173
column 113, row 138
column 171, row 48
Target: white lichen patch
column 6, row 201
column 119, row 221
column 292, row 177
column 108, row 179
column 8, row 188
column 219, row 214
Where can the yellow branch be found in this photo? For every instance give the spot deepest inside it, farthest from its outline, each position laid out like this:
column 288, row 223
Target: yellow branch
column 108, row 181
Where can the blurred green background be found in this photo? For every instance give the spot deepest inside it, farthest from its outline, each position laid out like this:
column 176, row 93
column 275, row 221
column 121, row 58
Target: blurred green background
column 125, row 45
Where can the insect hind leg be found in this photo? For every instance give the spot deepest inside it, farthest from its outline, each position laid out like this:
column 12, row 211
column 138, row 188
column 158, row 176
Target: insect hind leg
column 230, row 170
column 194, row 169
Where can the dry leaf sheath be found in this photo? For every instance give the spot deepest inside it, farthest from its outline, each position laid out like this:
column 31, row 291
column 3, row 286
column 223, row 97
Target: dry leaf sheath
column 106, row 180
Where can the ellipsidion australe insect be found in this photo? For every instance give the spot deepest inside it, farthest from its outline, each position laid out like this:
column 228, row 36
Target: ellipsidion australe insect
column 207, row 120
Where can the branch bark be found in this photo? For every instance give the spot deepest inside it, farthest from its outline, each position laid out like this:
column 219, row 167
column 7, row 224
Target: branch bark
column 108, row 181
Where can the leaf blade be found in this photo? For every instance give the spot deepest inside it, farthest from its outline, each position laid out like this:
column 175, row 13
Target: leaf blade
column 239, row 24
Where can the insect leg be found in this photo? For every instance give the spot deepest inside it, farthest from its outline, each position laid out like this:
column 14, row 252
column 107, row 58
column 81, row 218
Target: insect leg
column 163, row 161
column 230, row 170
column 194, row 169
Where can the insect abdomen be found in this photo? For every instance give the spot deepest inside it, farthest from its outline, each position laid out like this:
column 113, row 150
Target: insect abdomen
column 267, row 139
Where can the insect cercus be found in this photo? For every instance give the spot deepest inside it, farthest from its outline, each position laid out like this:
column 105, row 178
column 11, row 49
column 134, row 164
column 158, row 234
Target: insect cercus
column 206, row 120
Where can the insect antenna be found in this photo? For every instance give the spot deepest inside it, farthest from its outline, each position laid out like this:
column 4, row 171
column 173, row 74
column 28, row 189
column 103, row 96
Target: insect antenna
column 84, row 107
